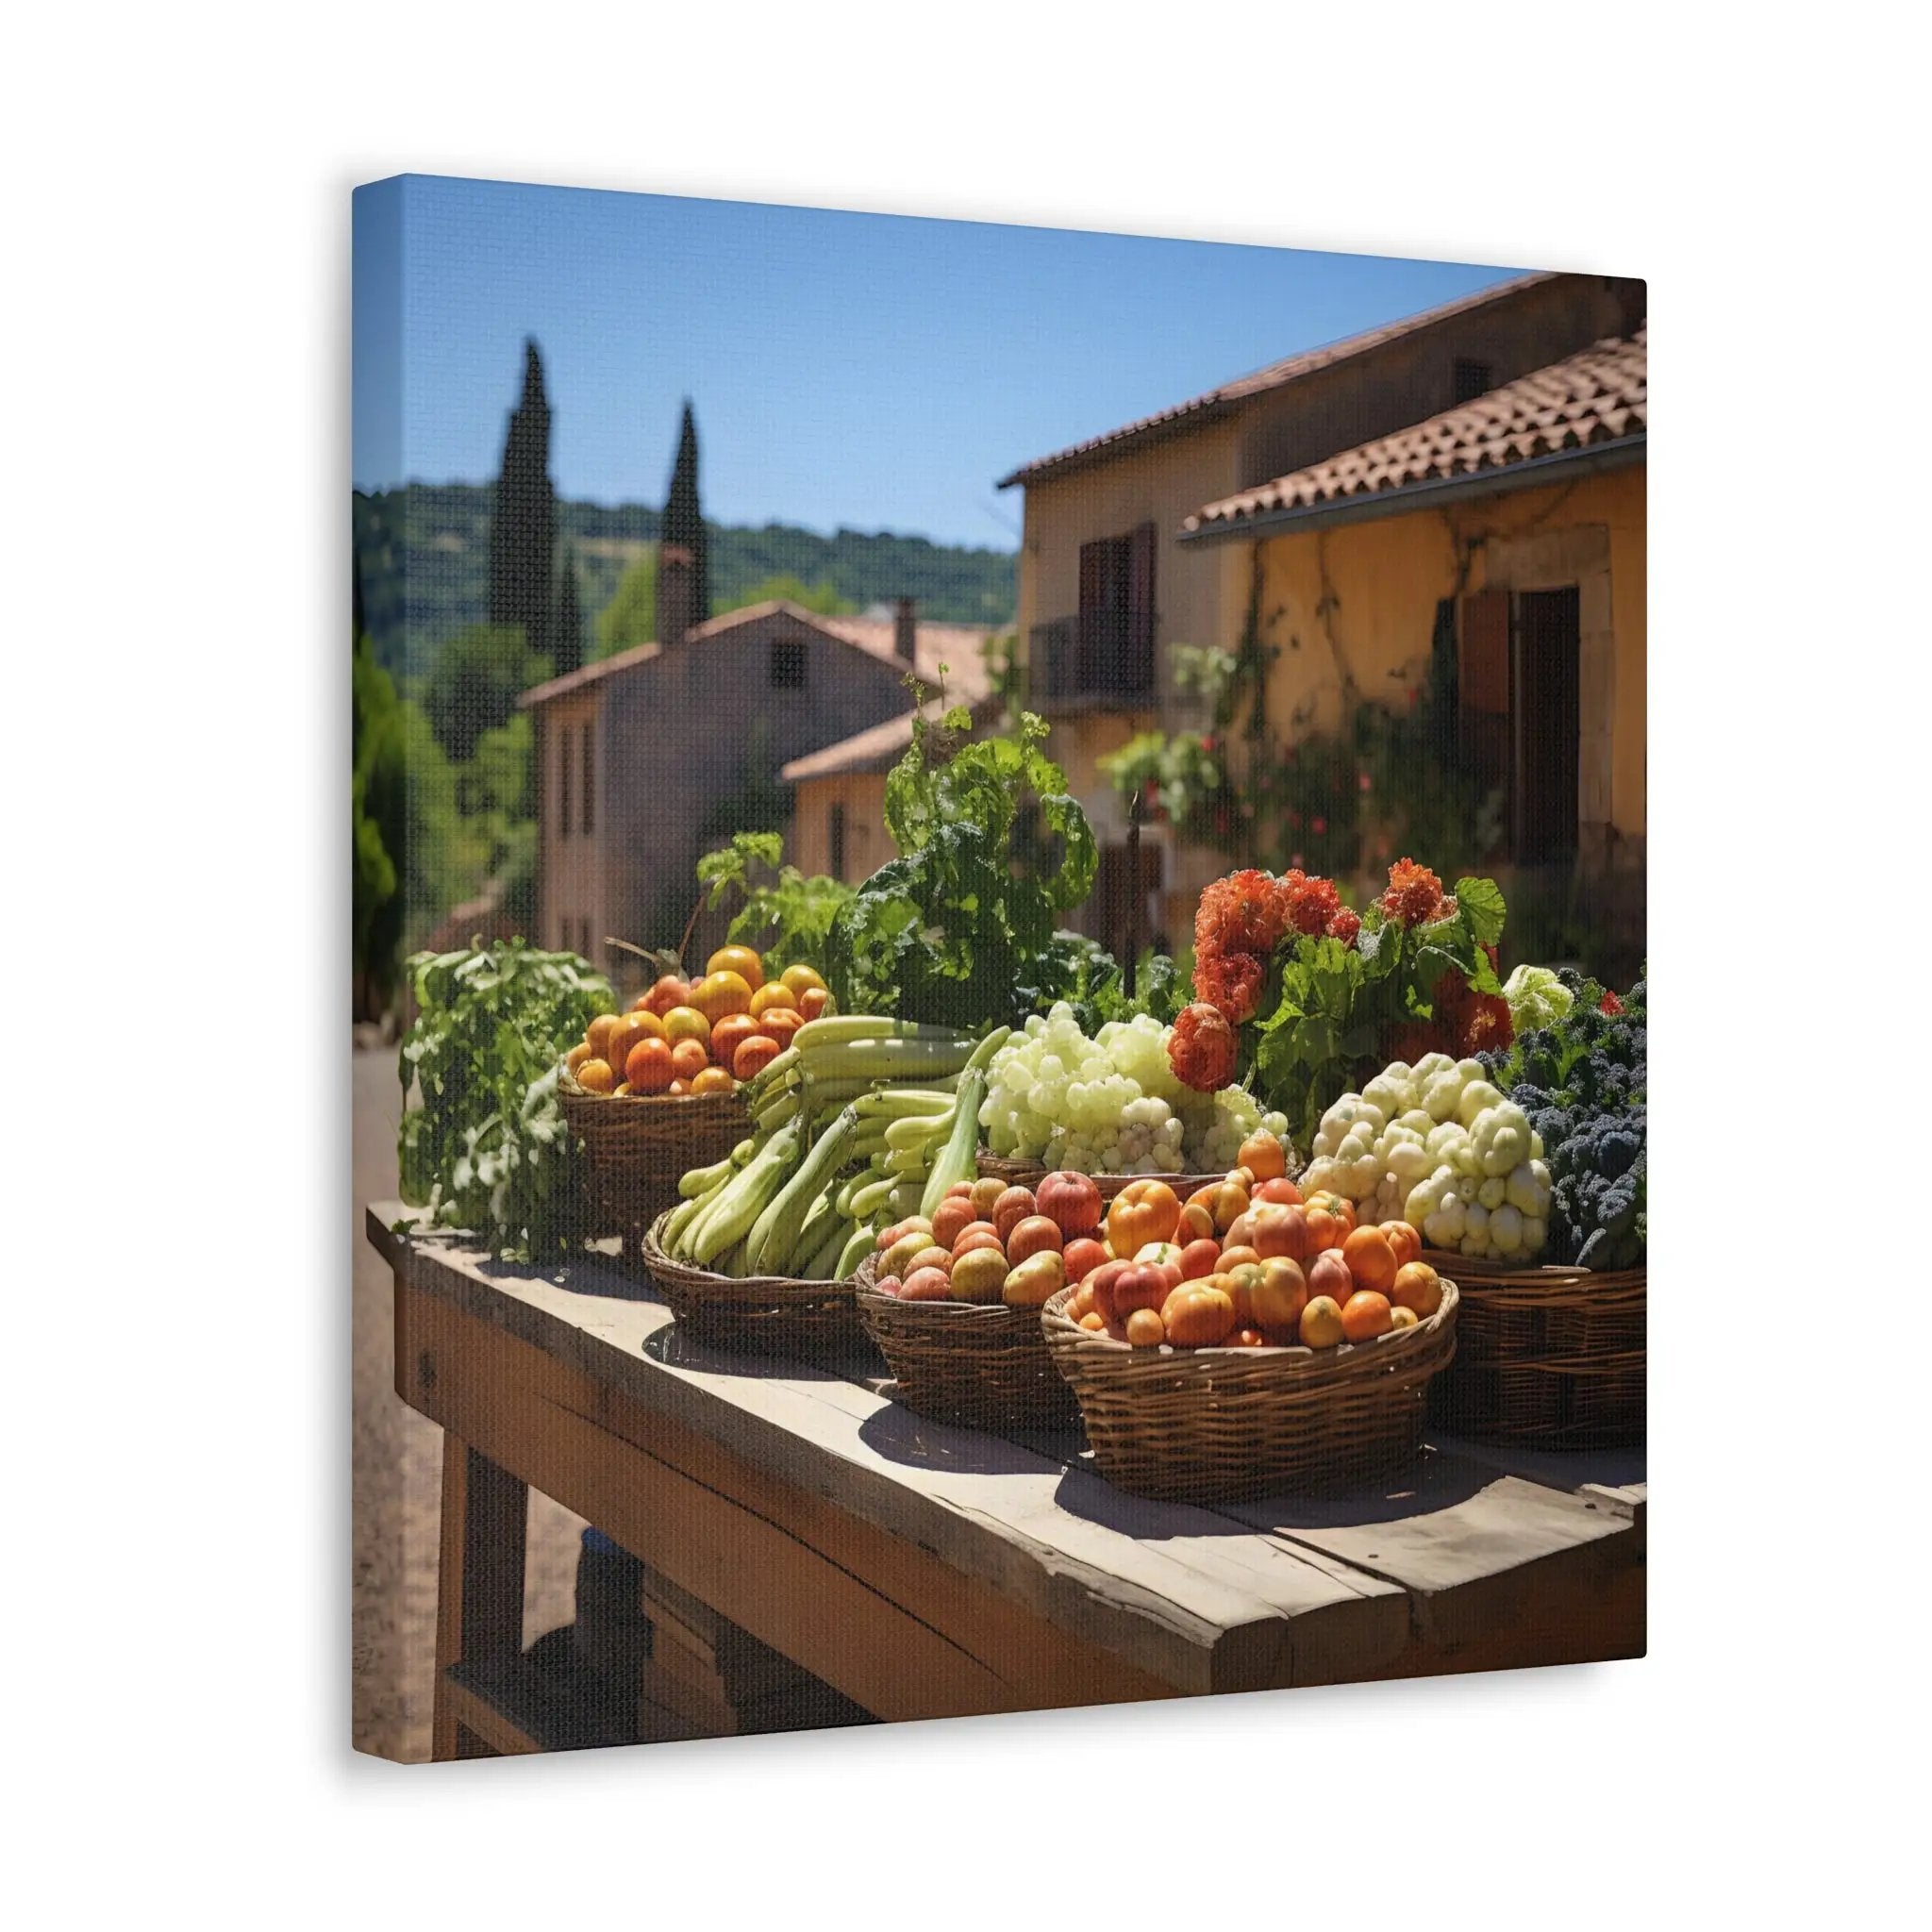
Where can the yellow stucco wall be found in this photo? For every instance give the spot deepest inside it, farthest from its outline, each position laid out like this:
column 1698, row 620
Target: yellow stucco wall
column 1158, row 482
column 1369, row 590
column 868, row 844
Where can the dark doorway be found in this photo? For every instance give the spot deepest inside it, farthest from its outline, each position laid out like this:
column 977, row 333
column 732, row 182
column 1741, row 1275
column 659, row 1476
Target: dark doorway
column 1125, row 925
column 1548, row 645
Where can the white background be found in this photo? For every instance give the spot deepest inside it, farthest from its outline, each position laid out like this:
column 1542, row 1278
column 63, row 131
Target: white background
column 176, row 1387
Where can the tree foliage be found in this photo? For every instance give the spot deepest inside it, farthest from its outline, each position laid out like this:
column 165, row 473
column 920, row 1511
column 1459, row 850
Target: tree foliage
column 631, row 616
column 475, row 684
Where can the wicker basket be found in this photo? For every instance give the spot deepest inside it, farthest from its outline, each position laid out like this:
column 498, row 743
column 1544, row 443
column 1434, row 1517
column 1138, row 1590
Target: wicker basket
column 639, row 1148
column 982, row 1364
column 763, row 1314
column 1553, row 1357
column 1029, row 1174
column 1210, row 1424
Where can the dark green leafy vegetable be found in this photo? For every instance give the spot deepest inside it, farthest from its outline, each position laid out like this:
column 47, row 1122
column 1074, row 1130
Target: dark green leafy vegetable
column 960, row 928
column 487, row 1148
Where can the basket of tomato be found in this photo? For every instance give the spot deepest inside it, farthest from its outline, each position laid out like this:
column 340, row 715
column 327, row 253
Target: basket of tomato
column 1254, row 1346
column 653, row 1092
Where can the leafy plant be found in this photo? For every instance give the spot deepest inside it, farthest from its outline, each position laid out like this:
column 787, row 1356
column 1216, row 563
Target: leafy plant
column 1094, row 983
column 789, row 918
column 960, row 928
column 487, row 1148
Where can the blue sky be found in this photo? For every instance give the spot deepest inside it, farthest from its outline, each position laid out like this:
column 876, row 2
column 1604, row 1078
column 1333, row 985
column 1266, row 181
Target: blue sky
column 878, row 372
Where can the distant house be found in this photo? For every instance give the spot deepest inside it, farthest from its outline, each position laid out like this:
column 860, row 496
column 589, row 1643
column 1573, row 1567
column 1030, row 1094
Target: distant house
column 1109, row 580
column 839, row 814
column 1509, row 531
column 640, row 757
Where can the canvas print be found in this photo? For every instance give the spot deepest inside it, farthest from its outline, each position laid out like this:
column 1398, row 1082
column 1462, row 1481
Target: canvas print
column 999, row 979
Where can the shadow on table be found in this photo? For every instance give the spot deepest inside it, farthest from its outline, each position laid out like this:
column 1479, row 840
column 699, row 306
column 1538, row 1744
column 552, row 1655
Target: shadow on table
column 902, row 1435
column 1433, row 1482
column 674, row 1346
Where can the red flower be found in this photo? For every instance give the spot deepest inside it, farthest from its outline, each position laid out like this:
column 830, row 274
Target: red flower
column 1415, row 893
column 1410, row 1040
column 1362, row 779
column 1311, row 902
column 1346, row 927
column 1202, row 1049
column 1231, row 983
column 1321, row 826
column 1609, row 1003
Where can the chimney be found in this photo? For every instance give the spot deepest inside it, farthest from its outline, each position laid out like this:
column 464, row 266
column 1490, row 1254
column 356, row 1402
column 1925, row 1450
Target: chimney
column 905, row 631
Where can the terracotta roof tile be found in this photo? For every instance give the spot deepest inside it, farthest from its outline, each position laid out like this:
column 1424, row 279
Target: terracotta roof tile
column 1275, row 375
column 960, row 647
column 1597, row 396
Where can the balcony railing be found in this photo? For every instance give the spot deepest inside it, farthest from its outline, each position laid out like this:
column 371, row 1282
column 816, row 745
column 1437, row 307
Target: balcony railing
column 1079, row 663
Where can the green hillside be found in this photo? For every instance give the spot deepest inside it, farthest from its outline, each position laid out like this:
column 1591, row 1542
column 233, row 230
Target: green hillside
column 423, row 551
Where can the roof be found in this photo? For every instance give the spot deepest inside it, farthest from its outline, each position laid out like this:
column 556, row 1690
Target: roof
column 1217, row 402
column 882, row 747
column 960, row 647
column 1593, row 400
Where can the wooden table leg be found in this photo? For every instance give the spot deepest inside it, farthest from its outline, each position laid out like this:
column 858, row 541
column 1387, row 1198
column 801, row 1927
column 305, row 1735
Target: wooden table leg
column 479, row 1605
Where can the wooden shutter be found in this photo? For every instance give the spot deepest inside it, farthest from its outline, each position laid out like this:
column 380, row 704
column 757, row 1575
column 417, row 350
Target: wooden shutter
column 1482, row 684
column 563, row 784
column 1088, row 665
column 1139, row 668
column 589, row 776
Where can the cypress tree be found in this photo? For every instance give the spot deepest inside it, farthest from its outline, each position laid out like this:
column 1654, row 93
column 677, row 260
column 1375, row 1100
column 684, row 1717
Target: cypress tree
column 522, row 520
column 684, row 521
column 567, row 634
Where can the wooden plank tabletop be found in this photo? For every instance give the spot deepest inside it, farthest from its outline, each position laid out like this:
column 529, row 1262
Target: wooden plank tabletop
column 1440, row 1572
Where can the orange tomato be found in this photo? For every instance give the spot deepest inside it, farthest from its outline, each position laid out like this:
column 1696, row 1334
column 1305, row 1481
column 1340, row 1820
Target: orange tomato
column 1281, row 1193
column 1321, row 1323
column 1417, row 1287
column 1365, row 1315
column 741, row 960
column 1197, row 1316
column 1013, row 1207
column 1238, row 1284
column 1199, row 1260
column 1037, row 1234
column 719, row 994
column 1227, row 1202
column 813, row 1001
column 1280, row 1296
column 1246, row 1338
column 1145, row 1329
column 1196, row 1223
column 1142, row 1211
column 979, row 1236
column 1282, row 1231
column 774, row 993
column 1093, row 1323
column 1407, row 1242
column 669, row 992
column 687, row 1023
column 597, row 1036
column 578, row 1055
column 985, row 1194
column 687, row 1060
column 951, row 1218
column 1100, row 1283
column 1371, row 1259
column 594, row 1076
column 1083, row 1256
column 712, row 1080
column 1263, row 1156
column 1139, row 1285
column 780, row 1023
column 1324, row 1230
column 1403, row 1318
column 649, row 1069
column 802, row 979
column 754, row 1056
column 1240, row 1255
column 676, row 1090
column 730, row 1033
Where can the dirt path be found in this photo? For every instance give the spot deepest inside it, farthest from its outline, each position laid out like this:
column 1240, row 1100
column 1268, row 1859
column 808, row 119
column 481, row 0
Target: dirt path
column 396, row 1483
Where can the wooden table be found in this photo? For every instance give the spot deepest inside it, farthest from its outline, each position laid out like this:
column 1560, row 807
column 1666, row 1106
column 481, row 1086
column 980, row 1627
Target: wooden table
column 921, row 1571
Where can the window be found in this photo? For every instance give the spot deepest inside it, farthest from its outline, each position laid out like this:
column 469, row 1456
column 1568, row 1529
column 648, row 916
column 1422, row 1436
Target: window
column 1115, row 652
column 787, row 664
column 1544, row 713
column 563, row 789
column 1473, row 380
column 1518, row 700
column 835, row 836
column 589, row 790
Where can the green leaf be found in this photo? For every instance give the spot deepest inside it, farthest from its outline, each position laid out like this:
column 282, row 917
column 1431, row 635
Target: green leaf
column 1480, row 909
